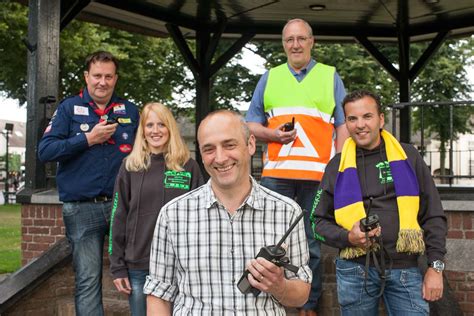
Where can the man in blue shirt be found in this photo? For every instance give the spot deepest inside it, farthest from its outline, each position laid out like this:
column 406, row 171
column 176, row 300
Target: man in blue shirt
column 311, row 94
column 89, row 135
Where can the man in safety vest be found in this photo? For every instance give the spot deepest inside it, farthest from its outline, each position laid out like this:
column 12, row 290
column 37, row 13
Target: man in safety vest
column 296, row 109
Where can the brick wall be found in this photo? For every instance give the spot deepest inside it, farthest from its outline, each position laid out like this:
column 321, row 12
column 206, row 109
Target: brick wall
column 461, row 226
column 41, row 227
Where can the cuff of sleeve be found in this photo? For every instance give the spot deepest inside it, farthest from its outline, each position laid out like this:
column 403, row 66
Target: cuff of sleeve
column 160, row 289
column 344, row 237
column 120, row 274
column 304, row 274
column 79, row 142
column 433, row 256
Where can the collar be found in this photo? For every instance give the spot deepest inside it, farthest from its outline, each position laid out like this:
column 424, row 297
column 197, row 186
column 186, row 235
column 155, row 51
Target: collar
column 253, row 200
column 303, row 70
column 87, row 99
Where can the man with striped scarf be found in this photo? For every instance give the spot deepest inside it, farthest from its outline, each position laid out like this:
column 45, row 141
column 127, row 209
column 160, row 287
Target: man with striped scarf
column 377, row 174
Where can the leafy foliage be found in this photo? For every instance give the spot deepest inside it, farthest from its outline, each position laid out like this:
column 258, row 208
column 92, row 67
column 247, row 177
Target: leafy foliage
column 151, row 69
column 13, row 28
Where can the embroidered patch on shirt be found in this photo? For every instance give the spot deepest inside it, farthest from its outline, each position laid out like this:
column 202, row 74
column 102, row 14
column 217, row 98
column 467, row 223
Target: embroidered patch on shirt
column 81, row 110
column 177, row 179
column 119, row 109
column 385, row 174
column 125, row 148
column 124, row 120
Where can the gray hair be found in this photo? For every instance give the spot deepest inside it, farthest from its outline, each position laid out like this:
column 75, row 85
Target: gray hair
column 297, row 20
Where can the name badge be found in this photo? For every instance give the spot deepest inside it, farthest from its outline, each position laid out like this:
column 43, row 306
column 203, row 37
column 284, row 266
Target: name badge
column 177, row 180
column 81, row 110
column 124, row 120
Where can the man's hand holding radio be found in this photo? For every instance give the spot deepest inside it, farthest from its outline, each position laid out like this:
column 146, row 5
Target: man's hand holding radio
column 267, row 277
column 358, row 238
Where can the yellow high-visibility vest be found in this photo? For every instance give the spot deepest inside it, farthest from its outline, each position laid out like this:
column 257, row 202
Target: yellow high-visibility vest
column 311, row 102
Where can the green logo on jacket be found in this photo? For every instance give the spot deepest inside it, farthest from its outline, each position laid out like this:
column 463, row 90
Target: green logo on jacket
column 177, row 180
column 385, row 174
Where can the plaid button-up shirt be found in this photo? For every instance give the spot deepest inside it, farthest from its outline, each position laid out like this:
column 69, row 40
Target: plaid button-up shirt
column 199, row 251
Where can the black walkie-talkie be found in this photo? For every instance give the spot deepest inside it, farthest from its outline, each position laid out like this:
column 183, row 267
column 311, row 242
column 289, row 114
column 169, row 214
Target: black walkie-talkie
column 289, row 126
column 369, row 222
column 276, row 254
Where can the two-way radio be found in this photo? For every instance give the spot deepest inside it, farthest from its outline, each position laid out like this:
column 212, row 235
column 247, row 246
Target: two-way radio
column 289, row 126
column 276, row 254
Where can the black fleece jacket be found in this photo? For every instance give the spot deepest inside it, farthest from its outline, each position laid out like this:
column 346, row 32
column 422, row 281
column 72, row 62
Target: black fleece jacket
column 376, row 182
column 138, row 199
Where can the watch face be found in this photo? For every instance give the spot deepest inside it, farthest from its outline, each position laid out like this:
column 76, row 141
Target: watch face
column 438, row 265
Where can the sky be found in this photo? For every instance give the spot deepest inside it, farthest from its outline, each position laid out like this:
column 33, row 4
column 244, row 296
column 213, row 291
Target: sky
column 11, row 110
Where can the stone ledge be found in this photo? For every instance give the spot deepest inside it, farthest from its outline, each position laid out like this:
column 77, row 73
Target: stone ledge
column 46, row 197
column 462, row 205
column 18, row 285
column 458, row 256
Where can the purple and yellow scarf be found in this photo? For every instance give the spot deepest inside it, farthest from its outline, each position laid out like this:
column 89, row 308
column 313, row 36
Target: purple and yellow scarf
column 349, row 207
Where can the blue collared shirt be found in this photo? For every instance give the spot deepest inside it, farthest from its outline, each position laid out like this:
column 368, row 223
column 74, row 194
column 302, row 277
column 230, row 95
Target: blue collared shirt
column 86, row 172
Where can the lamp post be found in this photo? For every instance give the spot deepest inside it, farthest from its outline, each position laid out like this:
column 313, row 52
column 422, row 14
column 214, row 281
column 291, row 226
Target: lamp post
column 8, row 129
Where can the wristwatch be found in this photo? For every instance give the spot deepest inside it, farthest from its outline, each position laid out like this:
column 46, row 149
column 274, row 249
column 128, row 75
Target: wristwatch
column 438, row 265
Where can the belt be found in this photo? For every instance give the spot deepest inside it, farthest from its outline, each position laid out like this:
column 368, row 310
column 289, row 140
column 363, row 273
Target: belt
column 98, row 199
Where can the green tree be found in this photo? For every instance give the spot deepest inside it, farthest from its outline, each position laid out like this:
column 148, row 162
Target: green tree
column 445, row 79
column 13, row 28
column 151, row 69
column 14, row 162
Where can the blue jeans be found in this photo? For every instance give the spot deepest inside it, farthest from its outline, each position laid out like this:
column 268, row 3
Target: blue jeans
column 86, row 224
column 303, row 192
column 137, row 299
column 402, row 295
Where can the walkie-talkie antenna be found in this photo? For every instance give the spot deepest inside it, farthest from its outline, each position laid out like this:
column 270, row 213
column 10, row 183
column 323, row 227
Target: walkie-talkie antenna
column 290, row 229
column 369, row 207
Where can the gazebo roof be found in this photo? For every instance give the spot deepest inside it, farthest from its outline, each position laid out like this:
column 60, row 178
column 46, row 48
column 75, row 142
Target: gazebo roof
column 334, row 20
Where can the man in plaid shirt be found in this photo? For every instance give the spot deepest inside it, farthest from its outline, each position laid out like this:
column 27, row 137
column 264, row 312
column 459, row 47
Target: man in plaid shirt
column 205, row 239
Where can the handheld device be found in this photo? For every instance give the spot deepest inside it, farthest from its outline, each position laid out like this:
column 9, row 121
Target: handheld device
column 276, row 254
column 289, row 126
column 370, row 221
column 111, row 120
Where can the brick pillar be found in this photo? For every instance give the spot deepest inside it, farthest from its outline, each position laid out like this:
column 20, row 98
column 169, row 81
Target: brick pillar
column 41, row 226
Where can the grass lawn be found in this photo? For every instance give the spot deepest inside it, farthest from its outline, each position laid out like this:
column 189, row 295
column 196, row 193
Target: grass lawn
column 10, row 238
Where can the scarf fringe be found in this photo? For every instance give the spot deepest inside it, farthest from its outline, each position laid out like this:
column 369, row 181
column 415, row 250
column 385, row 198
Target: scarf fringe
column 354, row 252
column 410, row 241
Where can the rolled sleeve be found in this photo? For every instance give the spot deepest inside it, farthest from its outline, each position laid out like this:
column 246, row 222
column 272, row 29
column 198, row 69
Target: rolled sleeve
column 161, row 282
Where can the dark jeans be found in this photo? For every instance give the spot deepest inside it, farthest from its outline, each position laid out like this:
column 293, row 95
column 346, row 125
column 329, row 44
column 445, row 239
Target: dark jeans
column 303, row 192
column 86, row 226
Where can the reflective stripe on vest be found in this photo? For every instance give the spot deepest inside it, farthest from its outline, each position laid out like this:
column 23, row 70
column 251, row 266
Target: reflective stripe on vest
column 312, row 103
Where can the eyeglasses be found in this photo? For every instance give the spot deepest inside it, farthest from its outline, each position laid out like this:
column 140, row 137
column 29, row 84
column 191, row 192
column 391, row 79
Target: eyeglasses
column 299, row 39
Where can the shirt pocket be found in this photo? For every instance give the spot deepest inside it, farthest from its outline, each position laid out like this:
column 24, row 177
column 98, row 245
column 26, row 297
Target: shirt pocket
column 125, row 132
column 82, row 124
